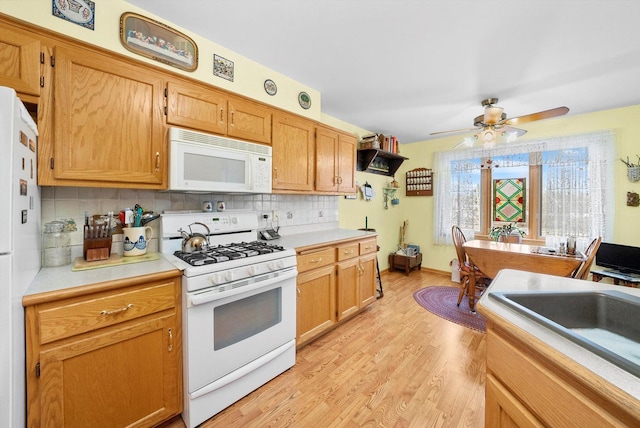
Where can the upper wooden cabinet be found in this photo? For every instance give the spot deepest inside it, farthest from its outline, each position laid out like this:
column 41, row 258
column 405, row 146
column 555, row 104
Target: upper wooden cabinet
column 194, row 107
column 293, row 153
column 207, row 110
column 249, row 121
column 335, row 161
column 20, row 61
column 107, row 124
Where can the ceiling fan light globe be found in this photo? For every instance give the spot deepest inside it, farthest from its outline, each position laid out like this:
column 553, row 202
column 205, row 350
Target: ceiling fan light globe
column 493, row 114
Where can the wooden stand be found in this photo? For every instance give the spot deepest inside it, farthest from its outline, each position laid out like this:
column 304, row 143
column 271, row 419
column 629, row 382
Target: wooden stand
column 406, row 263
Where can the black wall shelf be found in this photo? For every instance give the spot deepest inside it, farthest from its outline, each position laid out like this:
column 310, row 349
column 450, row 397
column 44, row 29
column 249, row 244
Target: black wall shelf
column 378, row 161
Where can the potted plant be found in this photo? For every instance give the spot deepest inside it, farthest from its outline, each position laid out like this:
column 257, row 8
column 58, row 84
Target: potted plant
column 502, row 233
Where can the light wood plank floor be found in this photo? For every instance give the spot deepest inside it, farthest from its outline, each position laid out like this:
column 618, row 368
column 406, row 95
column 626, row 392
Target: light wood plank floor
column 393, row 365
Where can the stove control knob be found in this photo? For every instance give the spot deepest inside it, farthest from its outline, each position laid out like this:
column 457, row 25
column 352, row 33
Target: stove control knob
column 252, row 270
column 216, row 279
column 229, row 275
column 276, row 265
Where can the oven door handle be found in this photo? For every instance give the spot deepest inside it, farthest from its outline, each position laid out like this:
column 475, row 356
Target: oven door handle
column 208, row 296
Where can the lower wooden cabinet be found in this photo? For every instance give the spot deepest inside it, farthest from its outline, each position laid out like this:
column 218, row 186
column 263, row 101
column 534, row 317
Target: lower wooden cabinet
column 526, row 388
column 316, row 303
column 108, row 358
column 334, row 283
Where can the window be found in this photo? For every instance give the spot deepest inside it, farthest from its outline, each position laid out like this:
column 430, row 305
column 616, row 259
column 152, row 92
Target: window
column 567, row 181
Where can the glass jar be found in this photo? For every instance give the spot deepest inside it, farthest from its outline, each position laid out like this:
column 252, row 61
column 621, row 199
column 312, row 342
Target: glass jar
column 56, row 249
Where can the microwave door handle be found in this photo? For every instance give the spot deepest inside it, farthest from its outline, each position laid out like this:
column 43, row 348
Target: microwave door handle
column 206, row 297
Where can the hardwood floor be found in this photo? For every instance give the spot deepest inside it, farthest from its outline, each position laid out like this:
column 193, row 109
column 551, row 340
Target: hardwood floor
column 393, row 365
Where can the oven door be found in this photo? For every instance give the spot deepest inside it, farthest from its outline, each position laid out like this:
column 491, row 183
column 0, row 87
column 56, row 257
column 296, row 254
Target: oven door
column 228, row 329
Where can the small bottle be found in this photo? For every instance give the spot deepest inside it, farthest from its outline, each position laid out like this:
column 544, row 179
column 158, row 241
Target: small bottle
column 56, row 250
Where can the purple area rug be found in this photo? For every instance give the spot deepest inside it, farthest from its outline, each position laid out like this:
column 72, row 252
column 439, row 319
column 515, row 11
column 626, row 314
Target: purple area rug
column 441, row 301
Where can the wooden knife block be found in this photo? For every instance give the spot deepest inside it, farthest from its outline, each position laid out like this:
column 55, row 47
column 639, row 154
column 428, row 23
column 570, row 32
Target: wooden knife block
column 97, row 249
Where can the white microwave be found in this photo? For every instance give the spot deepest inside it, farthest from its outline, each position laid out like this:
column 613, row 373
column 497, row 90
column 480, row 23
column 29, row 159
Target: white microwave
column 201, row 162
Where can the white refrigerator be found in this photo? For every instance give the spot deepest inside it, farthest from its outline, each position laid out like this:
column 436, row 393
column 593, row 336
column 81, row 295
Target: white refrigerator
column 19, row 248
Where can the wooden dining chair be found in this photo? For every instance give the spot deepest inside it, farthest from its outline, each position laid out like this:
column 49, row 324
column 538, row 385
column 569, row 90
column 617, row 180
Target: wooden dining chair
column 465, row 267
column 590, row 253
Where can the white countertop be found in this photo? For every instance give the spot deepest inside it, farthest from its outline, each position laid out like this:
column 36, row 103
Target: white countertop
column 519, row 281
column 62, row 277
column 324, row 237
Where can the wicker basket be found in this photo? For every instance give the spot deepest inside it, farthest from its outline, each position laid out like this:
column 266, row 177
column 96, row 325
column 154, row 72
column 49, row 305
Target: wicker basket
column 633, row 173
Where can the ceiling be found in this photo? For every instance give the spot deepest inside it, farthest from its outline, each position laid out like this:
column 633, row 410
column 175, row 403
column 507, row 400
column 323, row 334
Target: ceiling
column 413, row 67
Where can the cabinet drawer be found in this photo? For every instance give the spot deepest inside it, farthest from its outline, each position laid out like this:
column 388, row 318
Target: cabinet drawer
column 315, row 259
column 348, row 251
column 368, row 246
column 71, row 317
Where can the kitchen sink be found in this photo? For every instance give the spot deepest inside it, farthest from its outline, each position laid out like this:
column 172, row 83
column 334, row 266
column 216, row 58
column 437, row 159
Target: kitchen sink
column 605, row 322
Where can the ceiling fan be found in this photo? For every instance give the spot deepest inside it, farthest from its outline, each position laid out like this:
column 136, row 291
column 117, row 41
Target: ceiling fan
column 494, row 123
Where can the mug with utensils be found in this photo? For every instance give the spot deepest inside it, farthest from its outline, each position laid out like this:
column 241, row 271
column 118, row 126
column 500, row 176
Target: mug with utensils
column 136, row 240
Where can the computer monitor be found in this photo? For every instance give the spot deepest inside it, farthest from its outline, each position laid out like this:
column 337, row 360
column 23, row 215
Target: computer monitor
column 623, row 258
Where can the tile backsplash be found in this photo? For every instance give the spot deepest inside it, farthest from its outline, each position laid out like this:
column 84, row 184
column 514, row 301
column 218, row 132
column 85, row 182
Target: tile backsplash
column 295, row 212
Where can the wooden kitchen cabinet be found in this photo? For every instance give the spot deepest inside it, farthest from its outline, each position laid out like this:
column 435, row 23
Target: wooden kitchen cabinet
column 335, row 161
column 194, row 106
column 528, row 387
column 335, row 282
column 316, row 303
column 20, row 60
column 108, row 128
column 367, row 248
column 207, row 110
column 107, row 357
column 293, row 145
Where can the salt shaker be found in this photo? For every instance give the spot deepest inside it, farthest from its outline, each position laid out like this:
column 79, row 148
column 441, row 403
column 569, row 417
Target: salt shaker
column 563, row 248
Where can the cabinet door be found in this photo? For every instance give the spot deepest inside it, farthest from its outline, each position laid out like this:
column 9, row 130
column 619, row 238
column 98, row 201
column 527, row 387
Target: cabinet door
column 367, row 278
column 125, row 375
column 503, row 410
column 347, row 152
column 249, row 121
column 108, row 126
column 348, row 277
column 193, row 106
column 316, row 303
column 293, row 153
column 327, row 177
column 19, row 61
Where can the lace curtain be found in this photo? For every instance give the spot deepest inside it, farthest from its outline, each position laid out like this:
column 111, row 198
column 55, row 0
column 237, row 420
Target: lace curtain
column 577, row 185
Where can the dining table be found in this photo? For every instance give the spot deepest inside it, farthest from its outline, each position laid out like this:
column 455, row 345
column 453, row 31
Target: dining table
column 490, row 257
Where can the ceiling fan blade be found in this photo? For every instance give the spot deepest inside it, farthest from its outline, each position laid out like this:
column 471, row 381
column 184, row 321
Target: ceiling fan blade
column 455, row 131
column 511, row 130
column 546, row 114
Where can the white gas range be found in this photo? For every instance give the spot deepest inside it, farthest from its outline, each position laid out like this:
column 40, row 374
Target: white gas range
column 238, row 308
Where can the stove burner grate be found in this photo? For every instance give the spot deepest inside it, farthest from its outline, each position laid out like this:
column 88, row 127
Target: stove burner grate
column 223, row 253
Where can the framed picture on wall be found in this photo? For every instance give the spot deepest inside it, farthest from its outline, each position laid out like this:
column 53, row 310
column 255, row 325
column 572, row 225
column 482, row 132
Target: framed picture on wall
column 223, row 67
column 155, row 40
column 80, row 12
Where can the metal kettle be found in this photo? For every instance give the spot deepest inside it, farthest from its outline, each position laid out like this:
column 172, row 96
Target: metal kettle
column 194, row 241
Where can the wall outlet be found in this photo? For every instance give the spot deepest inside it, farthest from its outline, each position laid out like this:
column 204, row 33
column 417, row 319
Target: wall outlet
column 266, row 216
column 289, row 215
